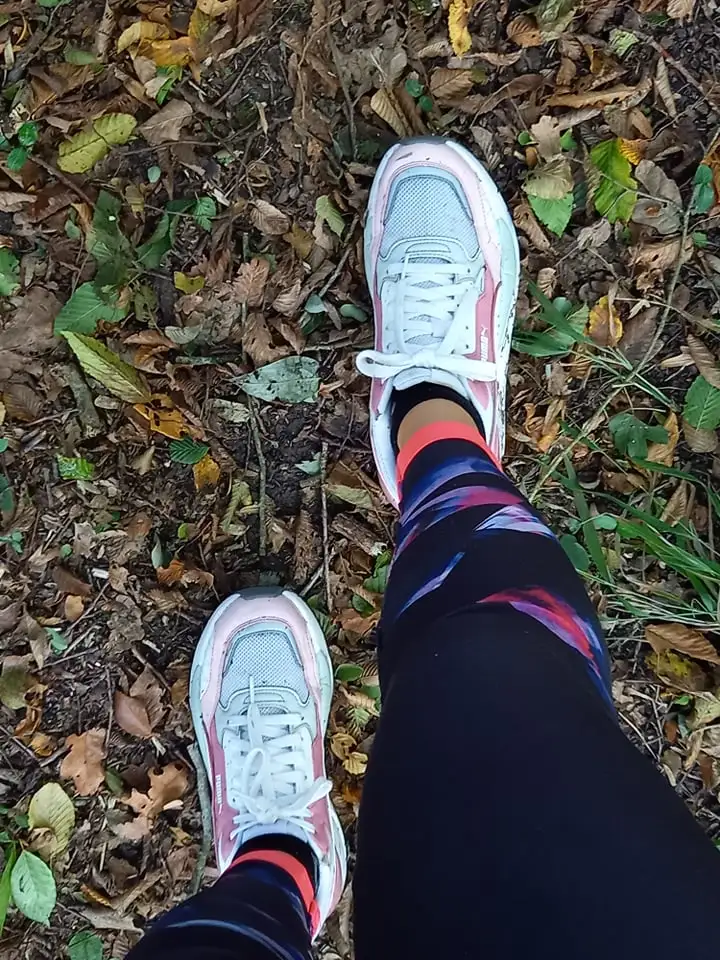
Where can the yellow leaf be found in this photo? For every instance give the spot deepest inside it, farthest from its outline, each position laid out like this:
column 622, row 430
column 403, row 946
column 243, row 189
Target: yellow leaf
column 107, row 368
column 458, row 14
column 81, row 152
column 201, row 26
column 188, row 284
column 341, row 744
column 51, row 811
column 632, row 150
column 356, row 764
column 215, row 8
column 141, row 30
column 163, row 417
column 171, row 53
column 665, row 452
column 206, row 472
column 604, row 324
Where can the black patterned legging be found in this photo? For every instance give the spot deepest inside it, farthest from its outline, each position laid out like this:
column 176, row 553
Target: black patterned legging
column 505, row 814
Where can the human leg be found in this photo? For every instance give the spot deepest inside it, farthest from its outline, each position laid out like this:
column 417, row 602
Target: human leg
column 504, row 812
column 260, row 693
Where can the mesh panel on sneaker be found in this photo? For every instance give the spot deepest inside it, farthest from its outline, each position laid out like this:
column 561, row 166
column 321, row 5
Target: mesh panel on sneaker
column 423, row 205
column 270, row 657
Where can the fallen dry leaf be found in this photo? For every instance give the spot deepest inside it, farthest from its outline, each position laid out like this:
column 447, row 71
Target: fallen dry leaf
column 665, row 452
column 385, row 104
column 167, row 786
column 166, row 125
column 684, row 639
column 458, row 15
column 678, row 671
column 131, row 714
column 67, row 582
column 84, row 763
column 250, row 281
column 268, row 219
column 206, row 472
column 447, row 85
column 604, row 324
column 700, row 440
column 704, row 360
column 524, row 31
column 73, row 607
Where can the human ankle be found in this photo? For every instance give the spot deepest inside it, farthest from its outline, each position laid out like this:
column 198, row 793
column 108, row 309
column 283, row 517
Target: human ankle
column 429, row 412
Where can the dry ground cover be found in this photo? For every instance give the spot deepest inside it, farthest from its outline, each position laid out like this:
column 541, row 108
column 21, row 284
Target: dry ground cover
column 181, row 299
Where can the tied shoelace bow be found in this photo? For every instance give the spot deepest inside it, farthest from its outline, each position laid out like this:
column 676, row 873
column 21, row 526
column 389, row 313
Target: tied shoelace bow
column 274, row 763
column 422, row 310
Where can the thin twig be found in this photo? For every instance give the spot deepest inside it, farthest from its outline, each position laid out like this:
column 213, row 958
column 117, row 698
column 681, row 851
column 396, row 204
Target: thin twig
column 203, row 790
column 346, row 93
column 111, row 711
column 63, row 179
column 262, row 506
column 343, row 259
column 325, row 544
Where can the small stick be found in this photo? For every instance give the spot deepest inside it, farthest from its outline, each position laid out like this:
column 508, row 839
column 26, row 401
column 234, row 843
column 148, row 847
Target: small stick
column 203, row 790
column 346, row 93
column 323, row 507
column 255, row 430
column 341, row 262
column 63, row 179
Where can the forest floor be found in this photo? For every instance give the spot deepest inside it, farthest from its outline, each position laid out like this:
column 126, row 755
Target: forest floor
column 181, row 299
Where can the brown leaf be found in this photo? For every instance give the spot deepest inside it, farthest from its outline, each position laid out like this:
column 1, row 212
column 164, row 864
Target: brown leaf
column 67, row 582
column 170, row 574
column 9, row 616
column 38, row 639
column 84, row 763
column 147, row 689
column 251, row 280
column 700, row 440
column 167, row 786
column 268, row 219
column 519, row 86
column 257, row 341
column 593, row 98
column 664, row 452
column 525, row 220
column 22, row 402
column 386, row 105
column 524, row 31
column 663, row 88
column 704, row 360
column 679, row 505
column 678, row 672
column 680, row 9
column 166, row 125
column 447, row 85
column 206, row 472
column 131, row 714
column 639, row 334
column 684, row 639
column 73, row 607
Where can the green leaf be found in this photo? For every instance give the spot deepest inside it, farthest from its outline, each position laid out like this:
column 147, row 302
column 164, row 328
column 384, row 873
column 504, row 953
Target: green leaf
column 568, row 141
column 27, row 134
column 566, row 322
column 578, row 555
column 555, row 214
column 204, row 209
column 58, row 642
column 3, row 444
column 426, row 103
column 616, row 194
column 151, row 254
column 348, row 672
column 33, row 887
column 81, row 152
column 7, row 500
column 75, row 468
column 310, row 467
column 10, row 857
column 703, row 195
column 85, row 308
column 16, row 158
column 107, row 244
column 173, row 74
column 702, row 405
column 631, row 436
column 361, row 605
column 314, row 304
column 414, row 87
column 700, row 239
column 292, row 380
column 352, row 312
column 80, row 58
column 85, row 945
column 107, row 368
column 621, row 41
column 153, row 174
column 9, row 273
column 329, row 214
column 187, row 450
column 14, row 540
column 524, row 138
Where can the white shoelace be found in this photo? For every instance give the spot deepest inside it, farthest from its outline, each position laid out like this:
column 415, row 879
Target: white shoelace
column 422, row 310
column 269, row 765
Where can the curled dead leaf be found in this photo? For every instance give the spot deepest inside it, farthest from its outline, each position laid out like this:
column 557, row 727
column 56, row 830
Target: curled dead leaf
column 251, row 280
column 386, row 105
column 526, row 221
column 206, row 472
column 604, row 324
column 268, row 219
column 700, row 439
column 167, row 786
column 356, row 763
column 84, row 763
column 684, row 639
column 73, row 607
column 524, row 31
column 704, row 360
column 131, row 714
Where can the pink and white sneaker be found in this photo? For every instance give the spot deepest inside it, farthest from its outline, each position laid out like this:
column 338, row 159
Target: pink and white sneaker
column 442, row 263
column 260, row 692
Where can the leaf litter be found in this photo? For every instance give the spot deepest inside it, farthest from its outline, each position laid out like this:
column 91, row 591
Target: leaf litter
column 182, row 197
